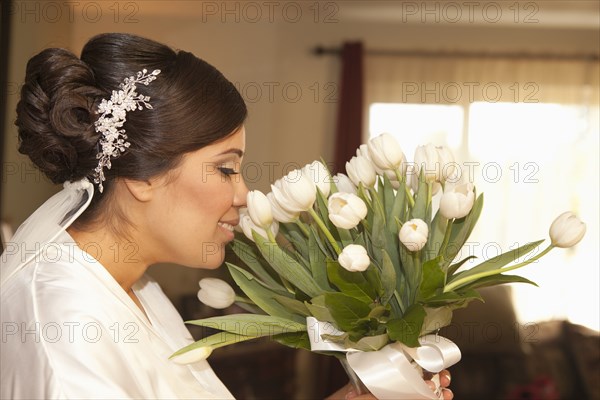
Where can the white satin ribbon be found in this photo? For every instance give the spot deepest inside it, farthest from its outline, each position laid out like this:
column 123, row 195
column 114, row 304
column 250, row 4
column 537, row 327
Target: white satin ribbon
column 388, row 373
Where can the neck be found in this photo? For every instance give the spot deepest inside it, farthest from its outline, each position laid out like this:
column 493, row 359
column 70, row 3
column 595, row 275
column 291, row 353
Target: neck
column 121, row 257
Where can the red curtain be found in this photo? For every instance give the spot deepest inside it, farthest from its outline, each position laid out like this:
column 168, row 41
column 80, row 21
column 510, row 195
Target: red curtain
column 350, row 109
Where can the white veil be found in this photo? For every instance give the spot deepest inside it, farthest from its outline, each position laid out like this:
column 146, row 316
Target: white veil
column 43, row 226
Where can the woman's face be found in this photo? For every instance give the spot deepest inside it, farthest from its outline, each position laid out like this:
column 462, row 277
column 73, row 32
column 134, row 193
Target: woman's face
column 193, row 211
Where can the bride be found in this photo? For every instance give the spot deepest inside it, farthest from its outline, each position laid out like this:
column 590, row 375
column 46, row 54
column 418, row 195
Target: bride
column 148, row 144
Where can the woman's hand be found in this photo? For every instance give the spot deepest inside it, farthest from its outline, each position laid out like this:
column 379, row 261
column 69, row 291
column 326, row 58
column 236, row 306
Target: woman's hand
column 444, row 383
column 347, row 392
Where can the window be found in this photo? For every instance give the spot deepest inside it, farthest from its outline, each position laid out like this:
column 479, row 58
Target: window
column 533, row 161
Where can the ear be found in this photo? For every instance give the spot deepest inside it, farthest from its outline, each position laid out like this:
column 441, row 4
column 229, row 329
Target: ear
column 141, row 190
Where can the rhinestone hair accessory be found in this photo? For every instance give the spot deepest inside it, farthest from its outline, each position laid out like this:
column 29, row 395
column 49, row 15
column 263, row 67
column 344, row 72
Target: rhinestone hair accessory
column 113, row 113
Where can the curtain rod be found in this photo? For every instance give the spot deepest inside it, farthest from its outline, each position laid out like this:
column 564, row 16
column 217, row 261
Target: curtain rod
column 322, row 51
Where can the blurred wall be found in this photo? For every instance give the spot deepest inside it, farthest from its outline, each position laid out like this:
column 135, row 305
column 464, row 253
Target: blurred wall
column 266, row 51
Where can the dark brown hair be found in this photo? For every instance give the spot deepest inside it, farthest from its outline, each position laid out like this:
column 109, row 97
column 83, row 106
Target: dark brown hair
column 194, row 105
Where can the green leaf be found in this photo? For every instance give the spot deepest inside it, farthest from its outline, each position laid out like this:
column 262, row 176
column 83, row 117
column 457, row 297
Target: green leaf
column 461, row 230
column 497, row 280
column 319, row 310
column 388, row 195
column 350, row 283
column 286, row 266
column 433, row 278
column 251, row 257
column 452, row 269
column 260, row 295
column 421, row 200
column 436, row 236
column 293, row 305
column 453, row 298
column 388, row 280
column 497, row 262
column 296, row 340
column 345, row 310
column 369, row 343
column 215, row 341
column 251, row 324
column 296, row 237
column 318, row 261
column 397, row 210
column 407, row 329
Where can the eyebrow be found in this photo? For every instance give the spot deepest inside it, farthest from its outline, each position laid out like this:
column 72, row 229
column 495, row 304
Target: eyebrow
column 238, row 152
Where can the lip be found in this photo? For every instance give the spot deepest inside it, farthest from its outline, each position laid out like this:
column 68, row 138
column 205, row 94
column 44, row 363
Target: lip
column 230, row 234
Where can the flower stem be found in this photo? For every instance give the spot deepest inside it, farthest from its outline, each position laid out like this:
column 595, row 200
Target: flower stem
column 402, row 182
column 300, row 225
column 325, row 231
column 270, row 235
column 446, row 239
column 467, row 279
column 242, row 299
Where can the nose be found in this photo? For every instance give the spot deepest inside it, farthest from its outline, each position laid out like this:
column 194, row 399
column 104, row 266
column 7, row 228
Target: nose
column 241, row 192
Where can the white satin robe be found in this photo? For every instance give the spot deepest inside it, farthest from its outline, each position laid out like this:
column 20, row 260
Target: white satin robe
column 70, row 331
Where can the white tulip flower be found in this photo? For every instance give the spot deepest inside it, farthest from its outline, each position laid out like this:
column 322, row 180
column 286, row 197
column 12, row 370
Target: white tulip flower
column 436, row 162
column 457, row 201
column 567, row 230
column 386, row 153
column 193, row 356
column 363, row 151
column 360, row 170
column 319, row 174
column 295, row 192
column 447, row 163
column 247, row 226
column 259, row 209
column 215, row 293
column 344, row 184
column 279, row 213
column 413, row 234
column 354, row 258
column 346, row 210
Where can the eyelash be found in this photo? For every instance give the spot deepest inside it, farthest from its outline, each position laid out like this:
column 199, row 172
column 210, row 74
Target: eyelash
column 228, row 171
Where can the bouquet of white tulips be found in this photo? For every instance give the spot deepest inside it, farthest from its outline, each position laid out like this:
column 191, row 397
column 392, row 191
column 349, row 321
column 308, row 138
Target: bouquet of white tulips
column 361, row 263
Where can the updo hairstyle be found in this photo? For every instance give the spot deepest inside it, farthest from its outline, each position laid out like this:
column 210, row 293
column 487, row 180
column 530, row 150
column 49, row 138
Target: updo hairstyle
column 194, row 105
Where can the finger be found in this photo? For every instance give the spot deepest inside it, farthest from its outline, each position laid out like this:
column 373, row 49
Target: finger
column 448, row 395
column 445, row 378
column 431, row 385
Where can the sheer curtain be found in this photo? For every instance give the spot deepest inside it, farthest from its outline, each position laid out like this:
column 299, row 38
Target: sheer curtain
column 530, row 128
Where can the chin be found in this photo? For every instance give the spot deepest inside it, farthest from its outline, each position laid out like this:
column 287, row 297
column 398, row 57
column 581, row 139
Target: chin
column 203, row 261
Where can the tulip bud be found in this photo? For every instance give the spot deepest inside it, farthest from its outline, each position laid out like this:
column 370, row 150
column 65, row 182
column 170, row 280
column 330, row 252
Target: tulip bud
column 247, row 226
column 447, row 163
column 363, row 151
column 279, row 213
column 426, row 163
column 360, row 170
column 259, row 209
column 344, row 184
column 354, row 258
column 413, row 234
column 436, row 162
column 215, row 293
column 386, row 153
column 346, row 210
column 319, row 174
column 193, row 356
column 295, row 192
column 457, row 201
column 567, row 230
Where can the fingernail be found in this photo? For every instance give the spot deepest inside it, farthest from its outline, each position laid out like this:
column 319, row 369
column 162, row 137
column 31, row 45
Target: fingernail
column 350, row 395
column 431, row 385
column 448, row 392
